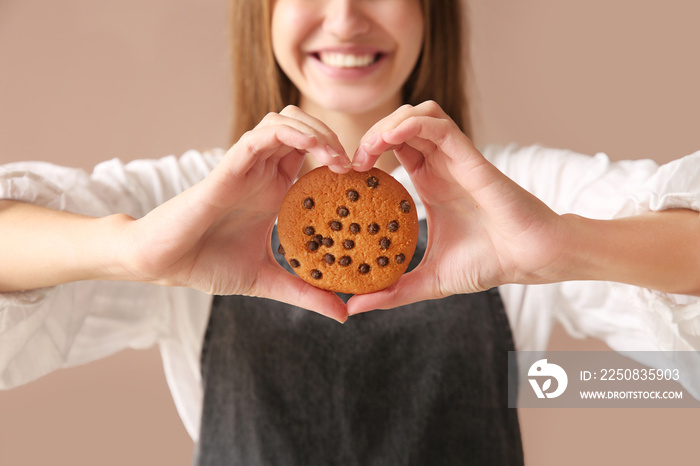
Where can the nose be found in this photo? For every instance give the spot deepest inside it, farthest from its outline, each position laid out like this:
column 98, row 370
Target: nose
column 345, row 19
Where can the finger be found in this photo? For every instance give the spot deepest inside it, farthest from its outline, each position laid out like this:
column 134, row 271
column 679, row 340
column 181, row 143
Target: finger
column 372, row 142
column 398, row 116
column 364, row 159
column 276, row 135
column 262, row 142
column 404, row 143
column 467, row 167
column 428, row 129
column 328, row 139
column 418, row 285
column 443, row 133
column 329, row 136
column 274, row 282
column 410, row 158
column 290, row 164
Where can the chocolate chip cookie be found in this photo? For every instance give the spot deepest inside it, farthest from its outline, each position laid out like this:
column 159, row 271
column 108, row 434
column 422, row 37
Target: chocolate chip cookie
column 351, row 233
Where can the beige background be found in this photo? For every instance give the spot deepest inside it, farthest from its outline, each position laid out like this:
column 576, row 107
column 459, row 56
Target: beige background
column 86, row 80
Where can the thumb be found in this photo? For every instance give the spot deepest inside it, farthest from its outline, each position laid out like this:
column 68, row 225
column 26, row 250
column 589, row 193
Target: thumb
column 418, row 285
column 274, row 282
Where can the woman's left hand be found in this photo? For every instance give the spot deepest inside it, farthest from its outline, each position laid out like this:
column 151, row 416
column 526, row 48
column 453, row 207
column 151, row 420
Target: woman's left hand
column 484, row 229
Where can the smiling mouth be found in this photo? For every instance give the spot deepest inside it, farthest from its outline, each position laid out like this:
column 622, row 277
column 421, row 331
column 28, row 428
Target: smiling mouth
column 347, row 60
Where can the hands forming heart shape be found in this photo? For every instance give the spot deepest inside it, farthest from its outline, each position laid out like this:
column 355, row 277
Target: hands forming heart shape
column 484, row 230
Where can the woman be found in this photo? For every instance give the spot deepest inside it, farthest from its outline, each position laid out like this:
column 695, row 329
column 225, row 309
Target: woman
column 282, row 385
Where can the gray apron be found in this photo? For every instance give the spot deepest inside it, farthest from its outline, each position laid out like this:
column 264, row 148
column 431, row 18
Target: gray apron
column 422, row 384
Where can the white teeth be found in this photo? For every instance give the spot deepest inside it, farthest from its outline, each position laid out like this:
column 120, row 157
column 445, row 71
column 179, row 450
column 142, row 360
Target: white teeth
column 344, row 60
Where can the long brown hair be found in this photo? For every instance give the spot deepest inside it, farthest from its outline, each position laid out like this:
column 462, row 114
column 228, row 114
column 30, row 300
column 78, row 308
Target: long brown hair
column 260, row 86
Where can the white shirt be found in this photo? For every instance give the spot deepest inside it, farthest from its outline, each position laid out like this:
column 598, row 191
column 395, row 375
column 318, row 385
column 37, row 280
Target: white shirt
column 43, row 330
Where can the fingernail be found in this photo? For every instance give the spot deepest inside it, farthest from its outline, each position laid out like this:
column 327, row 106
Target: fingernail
column 340, row 169
column 332, row 152
column 370, row 142
column 359, row 158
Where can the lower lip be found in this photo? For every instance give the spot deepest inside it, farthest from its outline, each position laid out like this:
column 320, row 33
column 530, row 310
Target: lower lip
column 349, row 73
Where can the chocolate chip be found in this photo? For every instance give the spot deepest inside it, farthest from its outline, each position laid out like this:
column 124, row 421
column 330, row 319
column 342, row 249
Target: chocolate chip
column 363, row 268
column 308, row 203
column 348, row 244
column 336, row 225
column 294, row 263
column 355, row 228
column 316, row 274
column 329, row 258
column 345, row 261
column 318, row 239
column 383, row 261
column 405, row 206
column 343, row 211
column 280, row 249
column 384, row 243
column 372, row 182
column 312, row 245
column 353, row 195
column 400, row 258
column 373, row 228
column 327, row 241
column 309, row 231
column 393, row 226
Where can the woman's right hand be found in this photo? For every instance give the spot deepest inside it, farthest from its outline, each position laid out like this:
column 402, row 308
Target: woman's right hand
column 215, row 236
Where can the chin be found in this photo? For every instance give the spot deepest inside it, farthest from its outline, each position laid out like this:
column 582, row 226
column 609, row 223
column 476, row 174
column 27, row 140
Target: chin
column 354, row 104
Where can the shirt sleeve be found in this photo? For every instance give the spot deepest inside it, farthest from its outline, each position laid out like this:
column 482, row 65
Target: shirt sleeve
column 46, row 329
column 627, row 318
